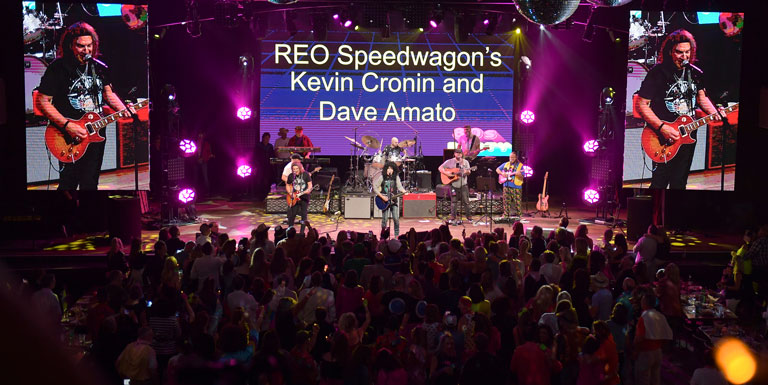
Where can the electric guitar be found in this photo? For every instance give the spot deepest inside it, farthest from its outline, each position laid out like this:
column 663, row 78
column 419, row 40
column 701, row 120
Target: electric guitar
column 452, row 174
column 543, row 203
column 661, row 149
column 511, row 176
column 293, row 197
column 68, row 149
column 385, row 205
column 470, row 155
column 326, row 205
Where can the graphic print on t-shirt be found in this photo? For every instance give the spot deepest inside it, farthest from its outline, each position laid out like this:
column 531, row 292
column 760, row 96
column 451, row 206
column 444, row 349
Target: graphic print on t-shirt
column 680, row 98
column 299, row 184
column 80, row 96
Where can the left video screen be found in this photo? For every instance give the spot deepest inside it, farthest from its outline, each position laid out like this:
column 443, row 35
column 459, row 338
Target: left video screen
column 86, row 96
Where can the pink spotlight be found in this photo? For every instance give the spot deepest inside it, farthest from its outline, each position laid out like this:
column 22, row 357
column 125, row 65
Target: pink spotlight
column 244, row 113
column 591, row 196
column 591, row 146
column 244, row 171
column 527, row 172
column 433, row 23
column 335, row 16
column 486, row 21
column 187, row 147
column 186, row 195
column 347, row 23
column 527, row 117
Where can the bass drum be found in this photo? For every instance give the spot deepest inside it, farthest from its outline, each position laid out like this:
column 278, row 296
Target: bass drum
column 636, row 73
column 34, row 25
column 638, row 34
column 371, row 172
column 34, row 68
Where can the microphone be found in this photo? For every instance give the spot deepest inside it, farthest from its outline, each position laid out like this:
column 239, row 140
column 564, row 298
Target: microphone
column 685, row 63
column 87, row 57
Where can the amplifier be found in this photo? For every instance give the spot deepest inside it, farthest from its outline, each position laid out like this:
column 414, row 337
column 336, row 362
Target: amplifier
column 419, row 205
column 276, row 204
column 424, row 179
column 377, row 212
column 357, row 206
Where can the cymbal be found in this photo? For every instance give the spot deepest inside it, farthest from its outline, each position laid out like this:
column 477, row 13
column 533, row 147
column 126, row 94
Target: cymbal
column 371, row 142
column 354, row 143
column 357, row 146
column 407, row 143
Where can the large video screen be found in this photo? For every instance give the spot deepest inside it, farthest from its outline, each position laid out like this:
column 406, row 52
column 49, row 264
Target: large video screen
column 86, row 96
column 413, row 86
column 683, row 76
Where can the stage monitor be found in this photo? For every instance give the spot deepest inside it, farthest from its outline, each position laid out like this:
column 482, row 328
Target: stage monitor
column 682, row 100
column 81, row 67
column 413, row 85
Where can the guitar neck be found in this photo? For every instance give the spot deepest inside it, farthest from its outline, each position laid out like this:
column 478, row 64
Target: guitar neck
column 103, row 122
column 693, row 126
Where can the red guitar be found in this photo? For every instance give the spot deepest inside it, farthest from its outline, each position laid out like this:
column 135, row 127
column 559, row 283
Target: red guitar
column 70, row 150
column 661, row 149
column 293, row 197
column 473, row 154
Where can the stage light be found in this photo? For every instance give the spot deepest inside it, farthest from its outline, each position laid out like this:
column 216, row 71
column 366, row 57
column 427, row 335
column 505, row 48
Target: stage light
column 357, row 28
column 282, row 2
column 735, row 360
column 607, row 95
column 244, row 170
column 490, row 21
column 526, row 61
column 433, row 23
column 335, row 16
column 541, row 27
column 244, row 61
column 244, row 113
column 186, row 195
column 591, row 196
column 171, row 97
column 591, row 146
column 187, row 147
column 348, row 23
column 527, row 171
column 421, row 29
column 527, row 117
column 517, row 31
column 486, row 21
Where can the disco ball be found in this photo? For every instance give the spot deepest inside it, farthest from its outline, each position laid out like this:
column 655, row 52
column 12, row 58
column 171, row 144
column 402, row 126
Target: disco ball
column 610, row 3
column 547, row 11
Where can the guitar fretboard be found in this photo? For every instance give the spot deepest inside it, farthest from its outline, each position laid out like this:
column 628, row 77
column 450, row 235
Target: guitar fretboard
column 103, row 122
column 693, row 126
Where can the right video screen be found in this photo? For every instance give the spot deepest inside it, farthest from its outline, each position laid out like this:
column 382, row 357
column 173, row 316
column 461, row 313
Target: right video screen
column 682, row 115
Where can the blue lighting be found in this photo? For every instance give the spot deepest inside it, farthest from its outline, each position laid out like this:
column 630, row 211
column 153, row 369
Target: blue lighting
column 708, row 17
column 109, row 9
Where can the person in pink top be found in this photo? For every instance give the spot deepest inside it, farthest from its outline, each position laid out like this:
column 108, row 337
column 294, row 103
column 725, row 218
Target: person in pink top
column 532, row 363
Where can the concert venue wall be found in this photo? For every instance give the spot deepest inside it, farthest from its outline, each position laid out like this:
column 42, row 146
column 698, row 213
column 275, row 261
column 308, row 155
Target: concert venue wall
column 413, row 84
column 121, row 61
column 715, row 67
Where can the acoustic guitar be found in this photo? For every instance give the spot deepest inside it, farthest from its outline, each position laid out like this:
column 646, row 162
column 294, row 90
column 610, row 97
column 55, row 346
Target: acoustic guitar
column 68, row 149
column 452, row 174
column 326, row 205
column 543, row 203
column 661, row 149
column 512, row 176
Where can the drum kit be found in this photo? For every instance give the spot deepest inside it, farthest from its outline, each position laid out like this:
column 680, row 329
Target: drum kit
column 373, row 164
column 644, row 43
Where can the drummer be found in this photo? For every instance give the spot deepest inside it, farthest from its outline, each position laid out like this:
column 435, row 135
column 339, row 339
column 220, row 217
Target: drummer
column 393, row 151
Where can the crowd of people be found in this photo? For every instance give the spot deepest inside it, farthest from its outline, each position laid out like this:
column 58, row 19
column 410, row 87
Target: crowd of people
column 282, row 307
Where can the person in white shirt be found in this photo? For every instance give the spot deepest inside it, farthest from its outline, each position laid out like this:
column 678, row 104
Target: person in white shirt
column 708, row 374
column 205, row 235
column 239, row 298
column 318, row 297
column 207, row 266
column 550, row 270
column 47, row 302
column 282, row 141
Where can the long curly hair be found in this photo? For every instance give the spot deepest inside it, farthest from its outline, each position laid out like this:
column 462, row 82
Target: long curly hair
column 74, row 31
column 672, row 40
column 394, row 168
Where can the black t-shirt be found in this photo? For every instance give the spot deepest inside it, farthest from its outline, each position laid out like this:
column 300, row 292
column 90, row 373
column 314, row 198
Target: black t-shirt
column 672, row 91
column 300, row 183
column 73, row 87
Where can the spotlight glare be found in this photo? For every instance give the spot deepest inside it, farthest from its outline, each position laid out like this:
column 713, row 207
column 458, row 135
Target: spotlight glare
column 527, row 171
column 244, row 170
column 335, row 16
column 517, row 31
column 357, row 27
column 591, row 146
column 735, row 360
column 171, row 97
column 186, row 195
column 421, row 29
column 433, row 24
column 486, row 21
column 591, row 196
column 527, row 117
column 187, row 147
column 347, row 23
column 244, row 113
column 541, row 27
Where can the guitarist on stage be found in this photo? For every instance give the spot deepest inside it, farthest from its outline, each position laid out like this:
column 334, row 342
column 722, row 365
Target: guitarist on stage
column 74, row 84
column 671, row 89
column 298, row 186
column 459, row 186
column 385, row 186
column 513, row 184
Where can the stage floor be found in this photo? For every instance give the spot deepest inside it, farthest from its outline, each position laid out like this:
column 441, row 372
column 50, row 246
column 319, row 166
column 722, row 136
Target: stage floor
column 699, row 180
column 122, row 179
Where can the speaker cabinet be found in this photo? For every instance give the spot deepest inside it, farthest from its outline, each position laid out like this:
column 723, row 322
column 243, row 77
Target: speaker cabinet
column 419, row 205
column 357, row 206
column 639, row 216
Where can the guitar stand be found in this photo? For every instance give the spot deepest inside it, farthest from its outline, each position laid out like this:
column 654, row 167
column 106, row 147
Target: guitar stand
column 563, row 208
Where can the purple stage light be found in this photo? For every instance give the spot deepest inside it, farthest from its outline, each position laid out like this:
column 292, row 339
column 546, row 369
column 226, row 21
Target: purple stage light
column 244, row 170
column 486, row 21
column 527, row 172
column 186, row 195
column 591, row 146
column 591, row 196
column 433, row 23
column 244, row 113
column 335, row 16
column 527, row 117
column 347, row 23
column 187, row 147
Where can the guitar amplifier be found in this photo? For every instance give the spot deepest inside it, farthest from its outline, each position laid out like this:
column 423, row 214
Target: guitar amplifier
column 419, row 205
column 357, row 206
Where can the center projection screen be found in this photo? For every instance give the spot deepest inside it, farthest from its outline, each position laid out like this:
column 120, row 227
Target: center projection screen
column 412, row 85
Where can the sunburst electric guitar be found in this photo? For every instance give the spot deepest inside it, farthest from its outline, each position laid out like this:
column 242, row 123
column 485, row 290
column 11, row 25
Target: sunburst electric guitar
column 68, row 149
column 543, row 203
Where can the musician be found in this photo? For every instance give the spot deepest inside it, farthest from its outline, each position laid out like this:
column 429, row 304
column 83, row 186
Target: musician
column 300, row 140
column 384, row 186
column 673, row 88
column 459, row 186
column 513, row 186
column 392, row 150
column 295, row 159
column 300, row 183
column 282, row 141
column 470, row 145
column 73, row 85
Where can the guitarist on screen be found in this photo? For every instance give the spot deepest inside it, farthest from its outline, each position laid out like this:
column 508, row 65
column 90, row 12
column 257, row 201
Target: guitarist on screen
column 673, row 88
column 385, row 186
column 298, row 187
column 511, row 178
column 75, row 84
